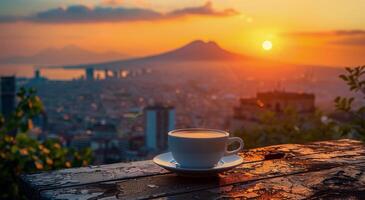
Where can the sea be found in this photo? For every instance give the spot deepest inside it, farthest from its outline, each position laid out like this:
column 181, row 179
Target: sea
column 28, row 71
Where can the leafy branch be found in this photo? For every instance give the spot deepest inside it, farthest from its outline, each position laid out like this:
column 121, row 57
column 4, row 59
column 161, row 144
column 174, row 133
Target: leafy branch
column 355, row 80
column 20, row 153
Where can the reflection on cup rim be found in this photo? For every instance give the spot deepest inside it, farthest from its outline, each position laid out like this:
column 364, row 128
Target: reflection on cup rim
column 197, row 129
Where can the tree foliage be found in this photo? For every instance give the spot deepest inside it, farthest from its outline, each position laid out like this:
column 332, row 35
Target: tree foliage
column 355, row 80
column 19, row 153
column 291, row 127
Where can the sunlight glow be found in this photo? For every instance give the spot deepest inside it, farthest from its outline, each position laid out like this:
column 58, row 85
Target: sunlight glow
column 267, row 45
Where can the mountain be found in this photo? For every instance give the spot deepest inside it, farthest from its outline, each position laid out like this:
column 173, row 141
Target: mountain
column 197, row 50
column 68, row 55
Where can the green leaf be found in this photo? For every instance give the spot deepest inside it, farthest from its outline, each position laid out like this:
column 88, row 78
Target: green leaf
column 343, row 77
column 14, row 149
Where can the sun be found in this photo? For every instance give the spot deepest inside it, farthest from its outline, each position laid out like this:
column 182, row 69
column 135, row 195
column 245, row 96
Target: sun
column 267, row 45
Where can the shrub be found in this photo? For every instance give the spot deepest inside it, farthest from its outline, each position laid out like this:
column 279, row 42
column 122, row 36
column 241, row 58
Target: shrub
column 19, row 153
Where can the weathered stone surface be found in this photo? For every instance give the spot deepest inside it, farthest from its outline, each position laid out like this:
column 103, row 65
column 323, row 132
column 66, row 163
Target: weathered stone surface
column 140, row 180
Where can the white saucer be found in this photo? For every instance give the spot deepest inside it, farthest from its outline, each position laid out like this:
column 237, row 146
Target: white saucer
column 166, row 161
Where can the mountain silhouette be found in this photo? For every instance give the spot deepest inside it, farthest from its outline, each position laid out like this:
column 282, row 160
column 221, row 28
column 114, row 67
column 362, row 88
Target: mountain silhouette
column 197, row 50
column 67, row 55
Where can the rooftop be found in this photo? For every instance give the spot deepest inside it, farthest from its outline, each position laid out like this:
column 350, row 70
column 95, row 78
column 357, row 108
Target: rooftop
column 284, row 95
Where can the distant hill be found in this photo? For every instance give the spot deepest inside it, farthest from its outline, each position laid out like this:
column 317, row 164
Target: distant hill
column 197, row 50
column 68, row 55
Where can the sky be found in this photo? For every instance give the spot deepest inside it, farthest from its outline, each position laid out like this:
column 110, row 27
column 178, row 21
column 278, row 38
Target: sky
column 323, row 32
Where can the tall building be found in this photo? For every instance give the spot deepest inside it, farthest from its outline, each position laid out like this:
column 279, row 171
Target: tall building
column 159, row 120
column 89, row 74
column 37, row 74
column 37, row 78
column 7, row 93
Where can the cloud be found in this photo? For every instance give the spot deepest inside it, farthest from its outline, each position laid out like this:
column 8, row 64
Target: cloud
column 350, row 38
column 206, row 9
column 79, row 13
column 350, row 32
column 327, row 33
column 9, row 19
column 337, row 37
column 84, row 14
column 112, row 2
column 354, row 41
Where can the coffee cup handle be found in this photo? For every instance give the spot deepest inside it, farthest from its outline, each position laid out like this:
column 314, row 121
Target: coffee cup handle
column 232, row 140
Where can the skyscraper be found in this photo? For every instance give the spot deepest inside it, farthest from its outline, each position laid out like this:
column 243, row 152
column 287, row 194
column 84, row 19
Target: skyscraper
column 37, row 74
column 7, row 93
column 159, row 120
column 90, row 74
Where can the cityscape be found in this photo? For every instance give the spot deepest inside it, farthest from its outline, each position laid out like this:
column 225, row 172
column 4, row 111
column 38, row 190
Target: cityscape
column 123, row 110
column 125, row 114
column 265, row 99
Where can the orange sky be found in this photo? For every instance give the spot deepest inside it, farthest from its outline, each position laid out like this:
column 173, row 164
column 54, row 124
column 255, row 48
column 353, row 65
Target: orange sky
column 301, row 32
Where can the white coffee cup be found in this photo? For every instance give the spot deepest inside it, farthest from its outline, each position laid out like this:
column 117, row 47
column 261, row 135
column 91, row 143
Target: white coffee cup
column 199, row 147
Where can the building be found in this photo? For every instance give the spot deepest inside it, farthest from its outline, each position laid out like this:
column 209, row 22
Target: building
column 7, row 93
column 81, row 141
column 89, row 74
column 248, row 113
column 105, row 143
column 37, row 78
column 37, row 74
column 277, row 101
column 159, row 120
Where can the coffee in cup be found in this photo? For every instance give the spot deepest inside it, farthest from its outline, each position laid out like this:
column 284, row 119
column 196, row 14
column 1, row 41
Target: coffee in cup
column 199, row 147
